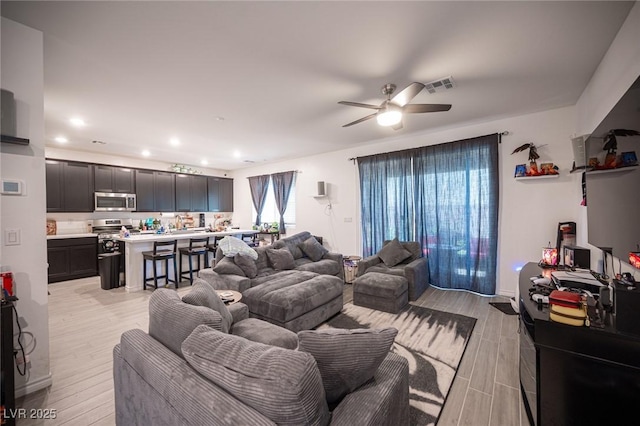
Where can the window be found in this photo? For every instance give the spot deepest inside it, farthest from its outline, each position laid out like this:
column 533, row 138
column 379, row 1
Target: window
column 270, row 211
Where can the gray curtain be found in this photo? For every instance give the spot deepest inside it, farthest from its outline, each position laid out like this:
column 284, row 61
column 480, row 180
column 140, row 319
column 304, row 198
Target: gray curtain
column 386, row 191
column 443, row 196
column 282, row 183
column 259, row 185
column 456, row 192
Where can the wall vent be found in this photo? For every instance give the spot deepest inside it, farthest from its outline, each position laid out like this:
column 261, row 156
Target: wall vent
column 440, row 85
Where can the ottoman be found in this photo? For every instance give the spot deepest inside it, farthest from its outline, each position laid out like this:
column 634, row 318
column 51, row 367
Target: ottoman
column 298, row 301
column 383, row 292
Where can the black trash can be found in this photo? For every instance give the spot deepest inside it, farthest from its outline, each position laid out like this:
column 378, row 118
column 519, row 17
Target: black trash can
column 109, row 269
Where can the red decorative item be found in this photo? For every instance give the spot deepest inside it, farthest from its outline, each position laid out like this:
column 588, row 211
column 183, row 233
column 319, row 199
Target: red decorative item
column 634, row 259
column 550, row 256
column 7, row 283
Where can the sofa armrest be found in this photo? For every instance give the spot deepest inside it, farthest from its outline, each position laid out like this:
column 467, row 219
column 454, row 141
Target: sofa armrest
column 336, row 257
column 153, row 385
column 225, row 282
column 417, row 275
column 382, row 401
column 366, row 263
column 239, row 311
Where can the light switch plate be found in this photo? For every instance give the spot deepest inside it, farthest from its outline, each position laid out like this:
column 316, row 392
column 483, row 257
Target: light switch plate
column 11, row 237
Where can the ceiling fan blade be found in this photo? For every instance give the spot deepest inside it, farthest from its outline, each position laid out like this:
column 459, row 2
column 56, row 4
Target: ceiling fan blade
column 397, row 126
column 360, row 120
column 416, row 108
column 357, row 104
column 408, row 93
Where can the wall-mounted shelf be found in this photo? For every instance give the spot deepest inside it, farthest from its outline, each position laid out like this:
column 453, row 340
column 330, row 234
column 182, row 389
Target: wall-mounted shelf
column 319, row 196
column 616, row 170
column 538, row 177
column 591, row 171
column 14, row 140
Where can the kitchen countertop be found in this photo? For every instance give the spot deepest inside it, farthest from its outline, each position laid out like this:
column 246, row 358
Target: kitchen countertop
column 61, row 236
column 180, row 235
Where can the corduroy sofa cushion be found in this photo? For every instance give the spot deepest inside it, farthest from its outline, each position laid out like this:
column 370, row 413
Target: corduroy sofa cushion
column 393, row 253
column 281, row 384
column 346, row 358
column 202, row 294
column 171, row 320
column 313, row 249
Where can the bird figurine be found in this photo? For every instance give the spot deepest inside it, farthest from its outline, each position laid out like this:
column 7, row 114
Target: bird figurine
column 611, row 145
column 533, row 152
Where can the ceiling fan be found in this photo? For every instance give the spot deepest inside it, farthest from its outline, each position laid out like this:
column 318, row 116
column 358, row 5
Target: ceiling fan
column 390, row 111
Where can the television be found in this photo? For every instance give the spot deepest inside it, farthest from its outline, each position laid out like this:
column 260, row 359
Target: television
column 613, row 193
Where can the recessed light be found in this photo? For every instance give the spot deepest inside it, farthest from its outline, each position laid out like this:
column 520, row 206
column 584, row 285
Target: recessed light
column 236, row 154
column 61, row 139
column 174, row 141
column 204, row 162
column 78, row 122
column 218, row 118
column 146, row 153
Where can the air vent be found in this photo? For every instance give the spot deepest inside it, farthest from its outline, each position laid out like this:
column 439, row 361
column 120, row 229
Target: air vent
column 99, row 142
column 440, row 85
column 248, row 161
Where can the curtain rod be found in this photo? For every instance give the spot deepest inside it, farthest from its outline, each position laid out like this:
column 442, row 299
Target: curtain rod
column 294, row 171
column 500, row 134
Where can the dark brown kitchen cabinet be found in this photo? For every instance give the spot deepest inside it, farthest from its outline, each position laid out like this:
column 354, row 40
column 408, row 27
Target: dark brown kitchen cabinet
column 164, row 191
column 191, row 193
column 113, row 179
column 220, row 194
column 69, row 186
column 72, row 258
column 155, row 191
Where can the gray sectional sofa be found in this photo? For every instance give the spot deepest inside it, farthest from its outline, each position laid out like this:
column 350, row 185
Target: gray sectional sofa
column 298, row 295
column 188, row 371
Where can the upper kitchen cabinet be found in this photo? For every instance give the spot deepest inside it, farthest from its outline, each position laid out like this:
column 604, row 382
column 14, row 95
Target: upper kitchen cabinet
column 113, row 179
column 220, row 194
column 69, row 186
column 191, row 193
column 155, row 191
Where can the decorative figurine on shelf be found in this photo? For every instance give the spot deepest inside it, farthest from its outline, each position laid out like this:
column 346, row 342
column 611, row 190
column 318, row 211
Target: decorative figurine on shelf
column 611, row 145
column 533, row 156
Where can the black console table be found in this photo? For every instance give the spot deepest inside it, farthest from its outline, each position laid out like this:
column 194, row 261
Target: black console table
column 575, row 375
column 6, row 364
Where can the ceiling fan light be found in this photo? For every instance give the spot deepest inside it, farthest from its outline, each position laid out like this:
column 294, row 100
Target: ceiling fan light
column 389, row 117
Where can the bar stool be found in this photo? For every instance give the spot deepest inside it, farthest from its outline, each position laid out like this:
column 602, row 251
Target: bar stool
column 212, row 248
column 160, row 253
column 197, row 247
column 250, row 239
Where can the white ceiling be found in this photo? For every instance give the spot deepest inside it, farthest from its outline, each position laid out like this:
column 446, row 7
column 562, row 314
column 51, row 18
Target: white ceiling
column 140, row 73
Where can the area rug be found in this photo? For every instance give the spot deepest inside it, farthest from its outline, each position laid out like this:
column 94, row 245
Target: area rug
column 432, row 341
column 504, row 307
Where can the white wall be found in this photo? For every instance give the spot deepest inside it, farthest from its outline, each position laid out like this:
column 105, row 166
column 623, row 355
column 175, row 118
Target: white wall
column 22, row 74
column 619, row 68
column 529, row 211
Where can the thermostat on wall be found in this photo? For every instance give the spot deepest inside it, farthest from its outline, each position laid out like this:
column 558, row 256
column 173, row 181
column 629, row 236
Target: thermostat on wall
column 13, row 187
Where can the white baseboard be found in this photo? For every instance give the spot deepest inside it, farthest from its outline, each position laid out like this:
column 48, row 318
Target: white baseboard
column 34, row 386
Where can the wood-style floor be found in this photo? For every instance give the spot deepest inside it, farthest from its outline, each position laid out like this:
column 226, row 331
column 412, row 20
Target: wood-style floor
column 85, row 322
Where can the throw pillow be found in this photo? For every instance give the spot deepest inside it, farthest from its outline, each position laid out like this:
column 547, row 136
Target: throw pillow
column 313, row 249
column 247, row 264
column 171, row 320
column 231, row 246
column 282, row 384
column 202, row 294
column 226, row 266
column 393, row 253
column 281, row 259
column 346, row 358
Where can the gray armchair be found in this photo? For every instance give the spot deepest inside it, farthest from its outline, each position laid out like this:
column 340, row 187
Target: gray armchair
column 414, row 268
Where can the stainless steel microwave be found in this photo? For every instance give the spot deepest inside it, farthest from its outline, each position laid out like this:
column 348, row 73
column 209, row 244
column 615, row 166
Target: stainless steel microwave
column 114, row 202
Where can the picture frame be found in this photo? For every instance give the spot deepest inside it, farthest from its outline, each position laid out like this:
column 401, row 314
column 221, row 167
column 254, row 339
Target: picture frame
column 521, row 170
column 629, row 158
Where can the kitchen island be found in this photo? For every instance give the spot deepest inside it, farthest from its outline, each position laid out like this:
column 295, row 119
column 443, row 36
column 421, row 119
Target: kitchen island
column 135, row 244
